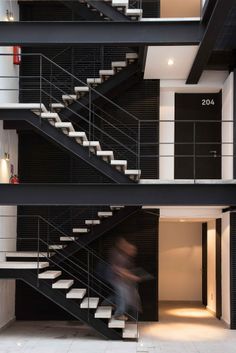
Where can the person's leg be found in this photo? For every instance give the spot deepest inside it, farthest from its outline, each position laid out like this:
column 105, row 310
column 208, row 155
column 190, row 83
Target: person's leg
column 120, row 300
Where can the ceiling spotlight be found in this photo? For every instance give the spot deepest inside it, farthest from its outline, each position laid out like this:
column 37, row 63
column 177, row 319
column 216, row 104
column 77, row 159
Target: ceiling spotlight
column 9, row 16
column 170, row 62
column 6, row 156
column 182, row 220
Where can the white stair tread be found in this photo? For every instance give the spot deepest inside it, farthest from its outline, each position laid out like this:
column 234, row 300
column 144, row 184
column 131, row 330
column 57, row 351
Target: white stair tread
column 50, row 115
column 105, row 214
column 103, row 312
column 131, row 56
column 113, row 323
column 69, row 97
column 67, row 238
column 79, row 134
column 63, row 284
column 116, row 162
column 92, row 221
column 91, row 303
column 28, row 254
column 94, row 144
column 23, row 265
column 96, row 80
column 133, row 172
column 56, row 247
column 31, row 106
column 106, row 72
column 49, row 274
column 134, row 12
column 119, row 64
column 80, row 230
column 81, row 89
column 108, row 154
column 116, row 207
column 57, row 105
column 130, row 331
column 67, row 125
column 123, row 3
column 76, row 293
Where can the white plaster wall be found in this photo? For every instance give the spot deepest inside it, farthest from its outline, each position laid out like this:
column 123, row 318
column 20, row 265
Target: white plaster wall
column 211, row 266
column 180, row 261
column 225, row 255
column 9, row 144
column 227, row 127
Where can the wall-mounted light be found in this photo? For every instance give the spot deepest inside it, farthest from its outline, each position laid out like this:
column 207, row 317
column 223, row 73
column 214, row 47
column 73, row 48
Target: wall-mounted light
column 170, row 62
column 9, row 16
column 7, row 156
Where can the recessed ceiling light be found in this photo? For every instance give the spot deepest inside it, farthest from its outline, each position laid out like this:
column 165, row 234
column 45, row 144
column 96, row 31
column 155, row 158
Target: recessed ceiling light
column 182, row 220
column 170, row 62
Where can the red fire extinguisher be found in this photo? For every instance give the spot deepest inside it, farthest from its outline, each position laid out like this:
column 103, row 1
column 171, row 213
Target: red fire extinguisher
column 16, row 55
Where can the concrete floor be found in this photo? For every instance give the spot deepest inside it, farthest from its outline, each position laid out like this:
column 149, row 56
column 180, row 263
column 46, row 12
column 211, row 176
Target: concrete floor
column 183, row 328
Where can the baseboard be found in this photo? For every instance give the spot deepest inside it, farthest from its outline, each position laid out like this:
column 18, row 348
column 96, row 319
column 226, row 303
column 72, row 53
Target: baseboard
column 9, row 323
column 211, row 311
column 227, row 325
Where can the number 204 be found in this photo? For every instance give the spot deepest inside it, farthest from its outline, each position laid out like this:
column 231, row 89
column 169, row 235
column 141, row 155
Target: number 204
column 208, row 102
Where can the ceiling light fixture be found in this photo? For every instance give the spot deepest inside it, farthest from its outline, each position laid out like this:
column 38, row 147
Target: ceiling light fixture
column 170, row 62
column 9, row 16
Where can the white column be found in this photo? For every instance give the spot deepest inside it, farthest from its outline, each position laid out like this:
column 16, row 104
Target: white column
column 225, row 261
column 211, row 266
column 227, row 128
column 166, row 134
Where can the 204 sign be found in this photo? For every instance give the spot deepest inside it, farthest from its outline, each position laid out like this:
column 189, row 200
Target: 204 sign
column 208, row 102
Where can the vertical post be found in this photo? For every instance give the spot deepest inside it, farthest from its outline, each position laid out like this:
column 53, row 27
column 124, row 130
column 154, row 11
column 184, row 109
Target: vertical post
column 139, row 143
column 194, row 151
column 38, row 229
column 40, row 88
column 50, row 86
column 88, row 275
column 90, row 116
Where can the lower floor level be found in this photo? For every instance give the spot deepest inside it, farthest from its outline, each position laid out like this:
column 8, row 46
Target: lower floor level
column 184, row 327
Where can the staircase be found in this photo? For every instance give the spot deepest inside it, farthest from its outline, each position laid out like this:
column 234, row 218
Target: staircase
column 115, row 10
column 75, row 288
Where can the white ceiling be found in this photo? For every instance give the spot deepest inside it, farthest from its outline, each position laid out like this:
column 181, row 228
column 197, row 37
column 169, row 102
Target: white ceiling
column 157, row 62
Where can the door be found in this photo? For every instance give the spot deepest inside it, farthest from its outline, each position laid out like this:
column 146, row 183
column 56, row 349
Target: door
column 198, row 136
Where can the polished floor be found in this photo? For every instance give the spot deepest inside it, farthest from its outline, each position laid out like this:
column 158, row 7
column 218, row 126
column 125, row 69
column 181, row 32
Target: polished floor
column 183, row 328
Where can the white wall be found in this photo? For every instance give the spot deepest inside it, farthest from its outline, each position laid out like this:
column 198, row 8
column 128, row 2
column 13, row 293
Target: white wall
column 211, row 266
column 180, row 261
column 9, row 144
column 227, row 127
column 225, row 255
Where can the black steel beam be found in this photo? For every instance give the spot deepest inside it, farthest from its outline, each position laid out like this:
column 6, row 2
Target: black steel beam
column 207, row 10
column 117, row 194
column 213, row 29
column 133, row 33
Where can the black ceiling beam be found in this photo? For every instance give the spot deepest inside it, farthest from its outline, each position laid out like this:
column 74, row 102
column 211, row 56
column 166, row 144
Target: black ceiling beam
column 133, row 33
column 117, row 194
column 213, row 29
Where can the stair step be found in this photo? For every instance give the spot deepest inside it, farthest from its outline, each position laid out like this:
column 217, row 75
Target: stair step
column 23, row 265
column 89, row 303
column 120, row 3
column 105, row 214
column 130, row 331
column 106, row 155
column 28, row 254
column 57, row 106
column 116, row 207
column 94, row 81
column 36, row 108
column 131, row 56
column 93, row 222
column 67, row 238
column 106, row 73
column 81, row 90
column 133, row 173
column 103, row 312
column 79, row 135
column 69, row 98
column 134, row 12
column 51, row 116
column 63, row 284
column 119, row 164
column 76, row 293
column 56, row 247
column 80, row 230
column 65, row 125
column 49, row 274
column 118, row 64
column 93, row 145
column 113, row 323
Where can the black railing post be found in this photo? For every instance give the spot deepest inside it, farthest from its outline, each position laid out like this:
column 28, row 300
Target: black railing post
column 194, row 151
column 38, row 229
column 40, row 84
